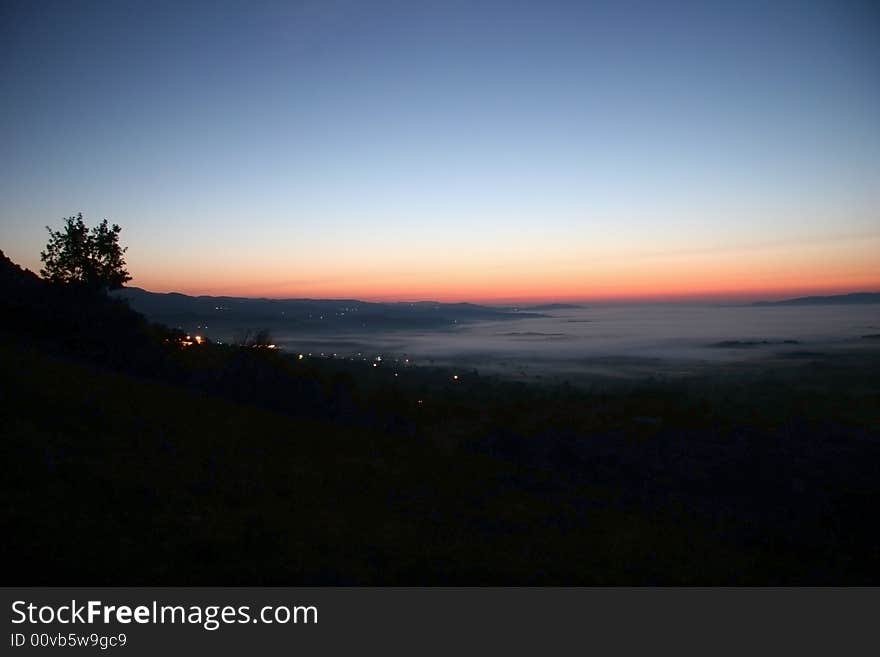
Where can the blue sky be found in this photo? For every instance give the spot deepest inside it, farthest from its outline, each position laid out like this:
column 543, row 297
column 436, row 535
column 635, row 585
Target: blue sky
column 408, row 149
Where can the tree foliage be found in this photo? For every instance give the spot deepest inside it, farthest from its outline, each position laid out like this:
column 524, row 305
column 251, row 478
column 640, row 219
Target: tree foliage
column 86, row 257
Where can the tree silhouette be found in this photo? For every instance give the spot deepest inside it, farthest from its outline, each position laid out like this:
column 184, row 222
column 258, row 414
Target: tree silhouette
column 85, row 257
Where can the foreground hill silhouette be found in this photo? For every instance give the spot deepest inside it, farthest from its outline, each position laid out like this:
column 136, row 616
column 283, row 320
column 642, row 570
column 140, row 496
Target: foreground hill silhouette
column 130, row 460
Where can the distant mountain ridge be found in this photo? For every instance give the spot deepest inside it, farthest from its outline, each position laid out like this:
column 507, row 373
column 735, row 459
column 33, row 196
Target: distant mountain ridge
column 177, row 300
column 226, row 313
column 836, row 300
column 554, row 306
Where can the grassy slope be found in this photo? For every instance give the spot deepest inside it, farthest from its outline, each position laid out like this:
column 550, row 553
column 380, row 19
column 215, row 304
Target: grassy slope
column 227, row 465
column 116, row 480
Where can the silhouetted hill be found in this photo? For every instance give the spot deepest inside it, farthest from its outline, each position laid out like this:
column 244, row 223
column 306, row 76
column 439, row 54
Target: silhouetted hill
column 838, row 299
column 77, row 322
column 288, row 315
column 129, row 458
column 19, row 288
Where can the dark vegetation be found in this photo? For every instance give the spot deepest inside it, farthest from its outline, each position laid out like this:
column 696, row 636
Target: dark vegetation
column 128, row 459
column 80, row 256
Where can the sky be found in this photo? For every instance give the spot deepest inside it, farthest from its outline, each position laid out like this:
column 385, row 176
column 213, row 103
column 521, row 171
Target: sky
column 479, row 151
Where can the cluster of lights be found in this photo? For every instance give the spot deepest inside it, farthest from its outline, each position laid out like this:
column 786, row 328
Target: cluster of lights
column 190, row 340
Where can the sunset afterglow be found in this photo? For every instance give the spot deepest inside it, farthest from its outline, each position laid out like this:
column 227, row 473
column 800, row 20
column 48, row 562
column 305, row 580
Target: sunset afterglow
column 472, row 152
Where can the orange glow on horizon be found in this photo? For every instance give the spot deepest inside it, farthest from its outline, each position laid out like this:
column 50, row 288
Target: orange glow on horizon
column 715, row 290
column 742, row 275
column 527, row 274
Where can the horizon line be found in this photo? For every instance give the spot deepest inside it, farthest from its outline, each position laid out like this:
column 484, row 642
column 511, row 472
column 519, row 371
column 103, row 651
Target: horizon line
column 700, row 297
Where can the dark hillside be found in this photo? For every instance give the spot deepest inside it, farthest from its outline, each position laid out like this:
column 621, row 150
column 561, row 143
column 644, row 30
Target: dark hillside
column 130, row 459
column 75, row 322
